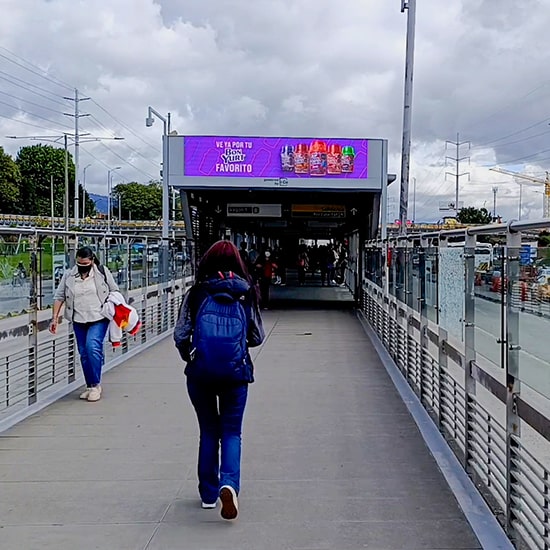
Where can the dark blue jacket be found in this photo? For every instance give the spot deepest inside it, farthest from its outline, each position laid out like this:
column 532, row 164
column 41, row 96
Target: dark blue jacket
column 194, row 298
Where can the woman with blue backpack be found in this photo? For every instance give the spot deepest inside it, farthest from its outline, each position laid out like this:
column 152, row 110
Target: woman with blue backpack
column 219, row 321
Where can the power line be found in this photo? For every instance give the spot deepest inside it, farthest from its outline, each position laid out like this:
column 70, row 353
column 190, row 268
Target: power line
column 58, row 101
column 520, row 158
column 512, row 134
column 41, row 74
column 540, row 86
column 23, row 122
column 125, row 144
column 32, row 103
column 126, row 161
column 126, row 127
column 523, row 139
column 34, row 115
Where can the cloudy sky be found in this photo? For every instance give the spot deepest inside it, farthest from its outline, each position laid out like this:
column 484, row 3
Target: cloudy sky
column 289, row 67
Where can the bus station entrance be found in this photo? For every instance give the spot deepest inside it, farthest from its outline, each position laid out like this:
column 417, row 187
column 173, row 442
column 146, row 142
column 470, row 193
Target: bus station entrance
column 281, row 193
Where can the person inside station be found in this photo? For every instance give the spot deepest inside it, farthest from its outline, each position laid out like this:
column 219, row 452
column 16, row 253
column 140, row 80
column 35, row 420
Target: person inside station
column 265, row 268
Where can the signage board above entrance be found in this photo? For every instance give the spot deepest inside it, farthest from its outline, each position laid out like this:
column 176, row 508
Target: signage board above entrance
column 277, row 162
column 254, row 210
column 326, row 211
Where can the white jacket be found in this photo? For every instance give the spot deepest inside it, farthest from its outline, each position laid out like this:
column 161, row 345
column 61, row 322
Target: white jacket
column 123, row 317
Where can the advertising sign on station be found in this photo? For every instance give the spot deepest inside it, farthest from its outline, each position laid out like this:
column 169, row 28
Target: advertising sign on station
column 276, row 162
column 264, row 157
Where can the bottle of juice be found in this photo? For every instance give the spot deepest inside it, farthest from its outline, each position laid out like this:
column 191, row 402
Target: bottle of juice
column 348, row 159
column 301, row 159
column 318, row 158
column 334, row 159
column 287, row 158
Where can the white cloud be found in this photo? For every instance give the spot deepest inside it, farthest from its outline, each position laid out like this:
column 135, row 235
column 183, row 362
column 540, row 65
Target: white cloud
column 286, row 67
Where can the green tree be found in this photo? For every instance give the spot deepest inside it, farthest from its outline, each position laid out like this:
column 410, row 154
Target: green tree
column 472, row 215
column 37, row 164
column 9, row 184
column 138, row 201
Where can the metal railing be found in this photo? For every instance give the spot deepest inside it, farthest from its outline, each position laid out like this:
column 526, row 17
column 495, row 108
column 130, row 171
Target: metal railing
column 480, row 366
column 34, row 365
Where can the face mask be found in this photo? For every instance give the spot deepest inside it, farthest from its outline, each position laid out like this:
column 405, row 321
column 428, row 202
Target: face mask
column 84, row 269
column 267, row 254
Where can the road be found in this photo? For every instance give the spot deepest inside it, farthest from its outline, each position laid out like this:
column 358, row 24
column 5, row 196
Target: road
column 533, row 333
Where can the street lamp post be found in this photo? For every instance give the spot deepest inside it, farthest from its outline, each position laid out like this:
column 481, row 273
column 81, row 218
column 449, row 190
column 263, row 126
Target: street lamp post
column 165, row 186
column 109, row 185
column 410, row 6
column 84, row 190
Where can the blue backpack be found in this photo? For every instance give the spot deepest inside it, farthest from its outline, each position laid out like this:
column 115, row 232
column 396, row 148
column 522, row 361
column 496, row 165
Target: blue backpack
column 219, row 351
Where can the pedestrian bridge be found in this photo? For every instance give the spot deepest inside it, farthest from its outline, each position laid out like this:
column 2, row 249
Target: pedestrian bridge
column 415, row 417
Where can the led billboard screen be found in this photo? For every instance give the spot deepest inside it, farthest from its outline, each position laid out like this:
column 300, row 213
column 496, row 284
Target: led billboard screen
column 268, row 162
column 266, row 157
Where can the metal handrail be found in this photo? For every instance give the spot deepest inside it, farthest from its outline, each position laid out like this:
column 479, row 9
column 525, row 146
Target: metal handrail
column 513, row 226
column 495, row 454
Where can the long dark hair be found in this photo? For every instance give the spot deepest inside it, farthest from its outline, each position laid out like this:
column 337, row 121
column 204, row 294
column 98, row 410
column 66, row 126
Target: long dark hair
column 222, row 256
column 86, row 253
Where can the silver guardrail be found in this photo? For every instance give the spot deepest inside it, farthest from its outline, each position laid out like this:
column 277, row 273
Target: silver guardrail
column 478, row 361
column 34, row 365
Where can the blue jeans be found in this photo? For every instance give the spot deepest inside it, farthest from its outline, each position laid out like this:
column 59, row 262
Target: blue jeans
column 89, row 339
column 220, row 412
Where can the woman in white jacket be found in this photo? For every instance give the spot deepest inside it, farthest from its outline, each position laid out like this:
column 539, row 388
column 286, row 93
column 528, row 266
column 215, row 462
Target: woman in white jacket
column 83, row 290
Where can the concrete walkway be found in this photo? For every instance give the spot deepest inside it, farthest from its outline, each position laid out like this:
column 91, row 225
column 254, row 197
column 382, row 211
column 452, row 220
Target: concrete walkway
column 331, row 458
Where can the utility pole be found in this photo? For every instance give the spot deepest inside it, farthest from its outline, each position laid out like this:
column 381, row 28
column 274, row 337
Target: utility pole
column 66, row 183
column 410, row 6
column 165, row 249
column 495, row 191
column 77, row 114
column 457, row 159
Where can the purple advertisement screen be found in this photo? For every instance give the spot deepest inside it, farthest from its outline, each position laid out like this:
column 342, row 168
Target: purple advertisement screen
column 273, row 157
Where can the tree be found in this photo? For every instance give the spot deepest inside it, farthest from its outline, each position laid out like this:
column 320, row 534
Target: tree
column 472, row 215
column 37, row 164
column 9, row 184
column 138, row 201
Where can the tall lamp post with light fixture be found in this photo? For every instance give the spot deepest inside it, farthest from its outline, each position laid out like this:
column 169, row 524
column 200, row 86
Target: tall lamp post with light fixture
column 164, row 249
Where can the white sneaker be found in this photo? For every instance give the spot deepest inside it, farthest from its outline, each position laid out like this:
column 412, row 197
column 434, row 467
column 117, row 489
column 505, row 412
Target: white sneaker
column 85, row 394
column 206, row 506
column 95, row 394
column 230, row 505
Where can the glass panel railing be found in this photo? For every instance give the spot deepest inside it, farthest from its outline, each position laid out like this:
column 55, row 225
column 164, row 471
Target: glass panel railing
column 529, row 326
column 137, row 264
column 400, row 273
column 14, row 274
column 451, row 291
column 431, row 283
column 489, row 312
column 153, row 262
